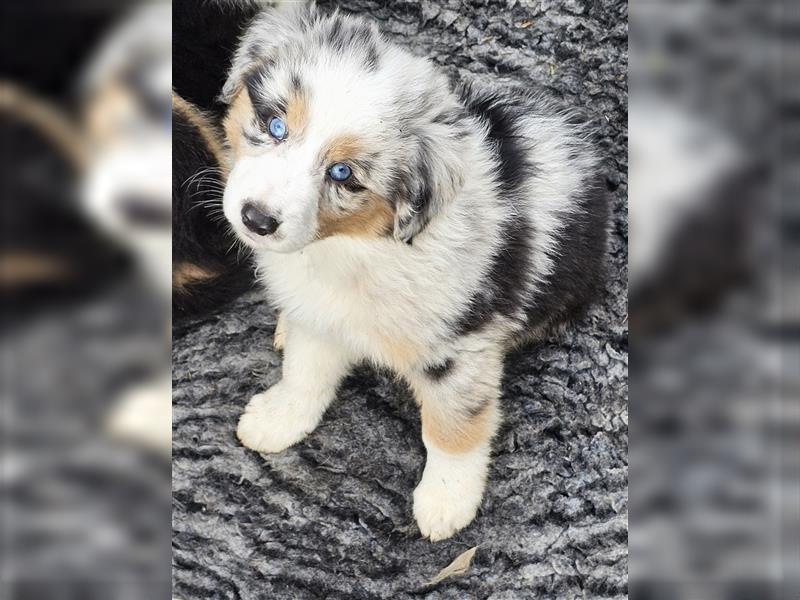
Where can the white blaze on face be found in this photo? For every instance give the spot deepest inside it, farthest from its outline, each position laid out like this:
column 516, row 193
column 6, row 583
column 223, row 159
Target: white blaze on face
column 284, row 183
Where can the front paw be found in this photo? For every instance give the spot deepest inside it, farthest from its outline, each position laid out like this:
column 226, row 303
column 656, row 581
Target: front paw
column 144, row 416
column 275, row 420
column 446, row 500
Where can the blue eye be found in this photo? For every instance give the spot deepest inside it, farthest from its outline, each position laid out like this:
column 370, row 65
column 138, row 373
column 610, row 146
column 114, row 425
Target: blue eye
column 277, row 128
column 340, row 172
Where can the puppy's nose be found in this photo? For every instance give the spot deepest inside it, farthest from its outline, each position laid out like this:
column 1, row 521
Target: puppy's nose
column 257, row 221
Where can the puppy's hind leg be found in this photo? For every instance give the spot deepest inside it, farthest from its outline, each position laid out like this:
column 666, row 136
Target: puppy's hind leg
column 291, row 409
column 459, row 402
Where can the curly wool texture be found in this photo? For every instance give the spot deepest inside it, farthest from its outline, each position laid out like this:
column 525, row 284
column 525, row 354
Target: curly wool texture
column 331, row 517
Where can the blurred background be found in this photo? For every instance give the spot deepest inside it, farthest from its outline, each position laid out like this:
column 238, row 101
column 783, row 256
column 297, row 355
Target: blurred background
column 85, row 279
column 713, row 299
column 713, row 305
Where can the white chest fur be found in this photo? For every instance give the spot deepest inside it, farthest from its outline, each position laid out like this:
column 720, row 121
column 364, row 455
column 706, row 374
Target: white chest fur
column 383, row 300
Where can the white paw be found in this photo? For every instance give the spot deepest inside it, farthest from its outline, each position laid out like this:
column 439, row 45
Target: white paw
column 275, row 420
column 449, row 494
column 144, row 416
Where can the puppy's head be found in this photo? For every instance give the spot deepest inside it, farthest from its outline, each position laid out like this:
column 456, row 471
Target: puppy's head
column 335, row 132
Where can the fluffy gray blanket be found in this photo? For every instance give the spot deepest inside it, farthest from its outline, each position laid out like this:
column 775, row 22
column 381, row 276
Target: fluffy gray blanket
column 331, row 517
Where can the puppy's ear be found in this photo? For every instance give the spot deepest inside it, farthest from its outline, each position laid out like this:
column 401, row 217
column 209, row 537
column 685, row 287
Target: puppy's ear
column 268, row 30
column 434, row 177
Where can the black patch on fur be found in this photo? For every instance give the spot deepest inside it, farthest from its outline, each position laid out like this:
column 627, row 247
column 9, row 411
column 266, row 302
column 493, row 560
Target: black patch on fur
column 438, row 372
column 413, row 185
column 709, row 255
column 580, row 268
column 503, row 290
column 345, row 36
column 265, row 107
column 502, row 116
column 421, row 197
column 199, row 231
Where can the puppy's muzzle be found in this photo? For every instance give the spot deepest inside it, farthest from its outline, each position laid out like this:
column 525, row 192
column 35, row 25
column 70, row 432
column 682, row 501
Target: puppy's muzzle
column 258, row 221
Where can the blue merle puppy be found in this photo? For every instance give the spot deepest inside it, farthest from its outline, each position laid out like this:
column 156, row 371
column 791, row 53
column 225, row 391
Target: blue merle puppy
column 398, row 220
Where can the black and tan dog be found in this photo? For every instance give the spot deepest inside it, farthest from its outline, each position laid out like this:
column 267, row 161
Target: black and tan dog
column 208, row 265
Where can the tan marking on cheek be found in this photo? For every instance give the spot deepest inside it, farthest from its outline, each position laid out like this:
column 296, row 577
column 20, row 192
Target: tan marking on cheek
column 342, row 149
column 373, row 219
column 184, row 274
column 457, row 434
column 239, row 114
column 296, row 114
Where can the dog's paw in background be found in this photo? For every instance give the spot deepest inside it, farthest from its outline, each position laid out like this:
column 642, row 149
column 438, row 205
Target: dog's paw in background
column 277, row 419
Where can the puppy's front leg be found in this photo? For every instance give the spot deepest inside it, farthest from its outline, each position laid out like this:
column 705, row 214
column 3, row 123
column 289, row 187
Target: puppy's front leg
column 460, row 415
column 291, row 409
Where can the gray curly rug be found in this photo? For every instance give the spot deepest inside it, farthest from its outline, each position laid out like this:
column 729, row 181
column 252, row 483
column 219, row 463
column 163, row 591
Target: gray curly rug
column 331, row 517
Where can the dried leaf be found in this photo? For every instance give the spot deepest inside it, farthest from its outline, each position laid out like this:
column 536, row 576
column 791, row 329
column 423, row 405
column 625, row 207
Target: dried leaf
column 458, row 567
column 524, row 24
